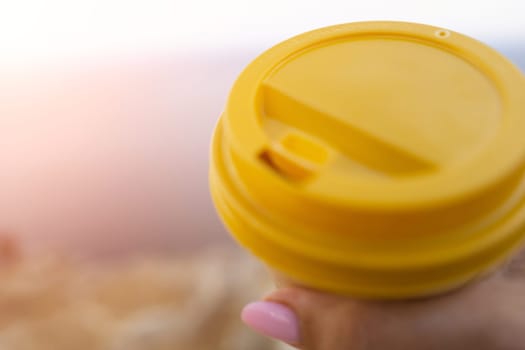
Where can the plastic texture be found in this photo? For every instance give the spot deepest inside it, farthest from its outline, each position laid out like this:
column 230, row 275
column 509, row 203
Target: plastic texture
column 375, row 159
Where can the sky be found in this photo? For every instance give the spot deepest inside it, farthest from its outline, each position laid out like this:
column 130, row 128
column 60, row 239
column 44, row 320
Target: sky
column 36, row 29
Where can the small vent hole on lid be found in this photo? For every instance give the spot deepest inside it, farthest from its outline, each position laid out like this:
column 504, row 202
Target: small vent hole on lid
column 442, row 34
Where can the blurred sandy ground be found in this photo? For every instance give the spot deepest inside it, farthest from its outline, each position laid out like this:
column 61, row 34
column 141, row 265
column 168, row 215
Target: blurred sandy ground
column 110, row 156
column 51, row 302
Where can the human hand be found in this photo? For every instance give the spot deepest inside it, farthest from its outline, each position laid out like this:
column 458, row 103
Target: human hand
column 486, row 315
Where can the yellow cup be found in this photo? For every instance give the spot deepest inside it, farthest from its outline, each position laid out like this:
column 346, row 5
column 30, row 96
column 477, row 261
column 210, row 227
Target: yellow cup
column 375, row 159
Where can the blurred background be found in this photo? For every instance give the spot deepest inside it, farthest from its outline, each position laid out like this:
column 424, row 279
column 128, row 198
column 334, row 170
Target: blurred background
column 106, row 111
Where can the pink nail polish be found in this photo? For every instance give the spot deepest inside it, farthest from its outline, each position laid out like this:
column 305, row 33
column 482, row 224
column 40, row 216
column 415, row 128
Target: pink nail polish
column 273, row 320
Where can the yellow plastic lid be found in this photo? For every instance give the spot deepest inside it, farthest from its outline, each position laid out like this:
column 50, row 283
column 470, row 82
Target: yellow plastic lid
column 376, row 159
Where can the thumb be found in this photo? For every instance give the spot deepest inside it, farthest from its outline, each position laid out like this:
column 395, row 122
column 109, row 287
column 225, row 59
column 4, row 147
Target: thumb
column 309, row 320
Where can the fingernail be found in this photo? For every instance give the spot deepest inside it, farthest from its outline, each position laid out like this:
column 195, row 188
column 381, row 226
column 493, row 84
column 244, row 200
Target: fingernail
column 273, row 320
